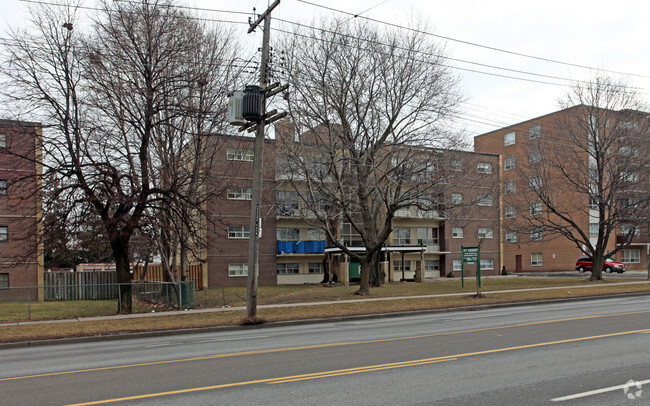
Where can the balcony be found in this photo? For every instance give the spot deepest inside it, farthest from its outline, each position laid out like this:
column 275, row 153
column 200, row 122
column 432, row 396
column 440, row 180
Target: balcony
column 301, row 247
column 414, row 213
column 637, row 239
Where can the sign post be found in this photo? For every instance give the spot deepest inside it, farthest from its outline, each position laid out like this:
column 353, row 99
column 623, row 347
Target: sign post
column 470, row 256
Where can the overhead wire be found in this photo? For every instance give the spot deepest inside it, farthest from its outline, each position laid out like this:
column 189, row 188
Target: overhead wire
column 397, row 26
column 492, row 48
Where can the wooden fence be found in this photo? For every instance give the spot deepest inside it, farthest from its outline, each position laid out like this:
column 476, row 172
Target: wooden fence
column 80, row 285
column 155, row 274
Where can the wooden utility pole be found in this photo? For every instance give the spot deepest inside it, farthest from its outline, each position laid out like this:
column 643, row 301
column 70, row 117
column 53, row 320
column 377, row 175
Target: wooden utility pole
column 255, row 219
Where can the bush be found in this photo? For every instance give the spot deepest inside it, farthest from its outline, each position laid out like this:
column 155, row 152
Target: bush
column 503, row 270
column 450, row 274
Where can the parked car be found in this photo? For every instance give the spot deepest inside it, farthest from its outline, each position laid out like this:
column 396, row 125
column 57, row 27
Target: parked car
column 584, row 263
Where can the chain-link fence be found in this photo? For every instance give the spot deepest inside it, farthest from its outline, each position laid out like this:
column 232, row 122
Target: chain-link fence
column 77, row 300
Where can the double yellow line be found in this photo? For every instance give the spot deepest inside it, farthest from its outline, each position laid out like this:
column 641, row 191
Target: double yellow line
column 370, row 368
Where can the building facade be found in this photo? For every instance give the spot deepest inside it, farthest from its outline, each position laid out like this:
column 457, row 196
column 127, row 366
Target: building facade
column 21, row 253
column 293, row 247
column 540, row 161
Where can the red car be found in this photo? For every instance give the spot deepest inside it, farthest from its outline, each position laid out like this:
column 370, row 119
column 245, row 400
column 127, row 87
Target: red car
column 584, row 263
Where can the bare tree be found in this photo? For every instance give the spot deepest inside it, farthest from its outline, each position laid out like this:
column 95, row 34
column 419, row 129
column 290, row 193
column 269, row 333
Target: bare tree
column 593, row 165
column 115, row 100
column 369, row 107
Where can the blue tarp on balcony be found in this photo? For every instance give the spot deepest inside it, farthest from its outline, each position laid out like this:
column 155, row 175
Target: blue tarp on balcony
column 301, row 247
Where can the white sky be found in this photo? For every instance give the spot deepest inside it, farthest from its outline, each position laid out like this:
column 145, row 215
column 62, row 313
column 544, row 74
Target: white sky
column 600, row 34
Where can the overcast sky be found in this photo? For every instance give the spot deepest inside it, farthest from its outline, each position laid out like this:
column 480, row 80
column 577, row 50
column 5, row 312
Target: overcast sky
column 610, row 36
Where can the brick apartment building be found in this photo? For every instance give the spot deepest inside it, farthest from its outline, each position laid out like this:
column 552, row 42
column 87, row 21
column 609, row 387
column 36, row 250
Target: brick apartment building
column 21, row 260
column 292, row 251
column 522, row 148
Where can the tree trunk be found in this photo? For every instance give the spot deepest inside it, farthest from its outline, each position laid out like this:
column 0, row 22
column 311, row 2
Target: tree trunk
column 366, row 269
column 120, row 248
column 377, row 274
column 597, row 268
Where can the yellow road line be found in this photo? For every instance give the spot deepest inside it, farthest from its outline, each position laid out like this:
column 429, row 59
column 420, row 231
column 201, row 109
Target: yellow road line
column 329, row 374
column 342, row 372
column 311, row 347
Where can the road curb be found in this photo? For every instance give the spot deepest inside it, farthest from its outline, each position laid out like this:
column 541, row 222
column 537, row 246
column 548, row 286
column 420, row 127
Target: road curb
column 162, row 333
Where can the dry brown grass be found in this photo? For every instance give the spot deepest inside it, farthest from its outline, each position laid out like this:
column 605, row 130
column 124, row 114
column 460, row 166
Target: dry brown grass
column 284, row 294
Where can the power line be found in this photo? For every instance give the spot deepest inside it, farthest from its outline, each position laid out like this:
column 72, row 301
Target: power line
column 491, row 48
column 569, row 83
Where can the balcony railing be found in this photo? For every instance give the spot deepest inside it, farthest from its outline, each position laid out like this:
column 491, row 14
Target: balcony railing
column 414, row 213
column 637, row 239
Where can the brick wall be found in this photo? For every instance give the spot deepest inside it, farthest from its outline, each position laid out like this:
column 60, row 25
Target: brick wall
column 20, row 205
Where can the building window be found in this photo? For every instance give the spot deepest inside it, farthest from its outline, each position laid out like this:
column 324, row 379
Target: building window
column 456, row 198
column 397, row 266
column 536, row 259
column 509, row 138
column 288, row 269
column 487, row 264
column 4, row 233
column 625, row 150
column 457, row 265
column 286, row 234
column 535, row 182
column 456, row 232
column 427, row 235
column 240, row 193
column 511, row 236
column 629, row 177
column 485, row 200
column 536, row 233
column 485, row 232
column 456, row 165
column 316, row 267
column 626, row 229
column 4, row 280
column 628, row 203
column 536, row 208
column 432, row 265
column 510, row 187
column 3, row 140
column 593, row 230
column 593, row 203
column 350, row 236
column 511, row 212
column 534, row 131
column 237, row 269
column 316, row 234
column 510, row 163
column 402, row 236
column 534, row 157
column 484, row 167
column 632, row 256
column 234, row 154
column 287, row 202
column 239, row 231
column 3, row 187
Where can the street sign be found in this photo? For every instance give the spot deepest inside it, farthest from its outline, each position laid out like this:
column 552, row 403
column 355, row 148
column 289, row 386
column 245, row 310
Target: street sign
column 470, row 255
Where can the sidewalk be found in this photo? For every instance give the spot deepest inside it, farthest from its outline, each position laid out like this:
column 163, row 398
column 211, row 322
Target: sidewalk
column 286, row 305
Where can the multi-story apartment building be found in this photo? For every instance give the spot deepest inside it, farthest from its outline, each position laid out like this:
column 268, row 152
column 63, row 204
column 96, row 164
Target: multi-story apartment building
column 293, row 249
column 21, row 260
column 541, row 154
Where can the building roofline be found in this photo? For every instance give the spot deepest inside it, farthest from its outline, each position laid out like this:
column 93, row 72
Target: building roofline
column 4, row 121
column 528, row 120
column 555, row 112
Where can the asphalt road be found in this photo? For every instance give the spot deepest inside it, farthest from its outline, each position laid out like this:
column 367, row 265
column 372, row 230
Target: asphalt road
column 581, row 353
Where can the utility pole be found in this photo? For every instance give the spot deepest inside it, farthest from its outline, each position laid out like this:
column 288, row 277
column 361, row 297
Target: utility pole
column 255, row 219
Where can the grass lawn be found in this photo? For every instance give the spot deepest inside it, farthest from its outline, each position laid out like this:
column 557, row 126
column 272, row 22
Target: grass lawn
column 235, row 296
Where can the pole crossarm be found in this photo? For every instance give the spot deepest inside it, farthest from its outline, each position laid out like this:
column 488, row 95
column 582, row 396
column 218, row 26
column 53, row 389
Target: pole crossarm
column 263, row 16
